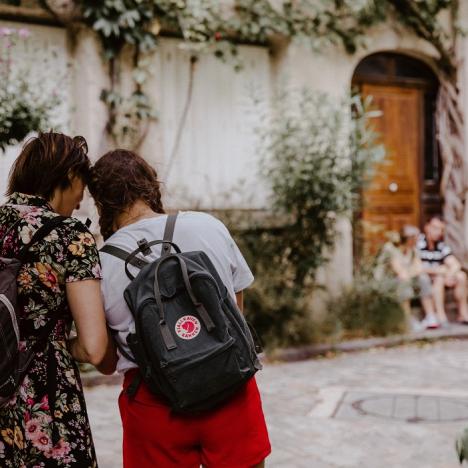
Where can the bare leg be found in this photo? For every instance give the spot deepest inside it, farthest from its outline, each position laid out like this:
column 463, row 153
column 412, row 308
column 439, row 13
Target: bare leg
column 438, row 291
column 260, row 465
column 428, row 305
column 460, row 296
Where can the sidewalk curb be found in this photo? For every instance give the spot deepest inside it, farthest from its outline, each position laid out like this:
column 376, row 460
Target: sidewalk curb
column 453, row 332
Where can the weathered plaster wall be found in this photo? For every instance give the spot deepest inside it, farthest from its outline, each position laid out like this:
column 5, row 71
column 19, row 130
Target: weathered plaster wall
column 215, row 165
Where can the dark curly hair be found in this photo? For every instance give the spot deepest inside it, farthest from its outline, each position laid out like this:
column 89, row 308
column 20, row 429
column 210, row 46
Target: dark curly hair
column 118, row 180
column 46, row 163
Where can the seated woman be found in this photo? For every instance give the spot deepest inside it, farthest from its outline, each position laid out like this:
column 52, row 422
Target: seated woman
column 401, row 261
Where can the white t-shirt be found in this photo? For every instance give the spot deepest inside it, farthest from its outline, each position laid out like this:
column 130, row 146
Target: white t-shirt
column 193, row 231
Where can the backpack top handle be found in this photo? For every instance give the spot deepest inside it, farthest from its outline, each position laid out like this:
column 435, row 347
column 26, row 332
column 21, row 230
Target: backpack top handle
column 144, row 246
column 141, row 249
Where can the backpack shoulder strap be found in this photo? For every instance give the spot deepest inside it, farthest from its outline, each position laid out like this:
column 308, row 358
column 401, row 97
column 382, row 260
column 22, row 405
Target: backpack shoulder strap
column 40, row 234
column 123, row 255
column 169, row 234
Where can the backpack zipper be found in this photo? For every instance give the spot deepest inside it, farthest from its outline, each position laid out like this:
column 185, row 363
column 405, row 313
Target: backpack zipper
column 11, row 309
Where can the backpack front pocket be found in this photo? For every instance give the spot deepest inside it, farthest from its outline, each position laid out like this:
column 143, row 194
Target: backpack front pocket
column 199, row 379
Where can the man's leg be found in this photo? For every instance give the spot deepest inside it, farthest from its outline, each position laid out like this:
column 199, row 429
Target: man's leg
column 460, row 296
column 424, row 290
column 438, row 293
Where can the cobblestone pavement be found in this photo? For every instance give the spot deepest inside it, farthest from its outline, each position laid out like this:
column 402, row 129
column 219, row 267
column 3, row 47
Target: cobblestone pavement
column 398, row 408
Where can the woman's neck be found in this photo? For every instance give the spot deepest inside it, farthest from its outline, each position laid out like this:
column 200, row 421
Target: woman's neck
column 138, row 211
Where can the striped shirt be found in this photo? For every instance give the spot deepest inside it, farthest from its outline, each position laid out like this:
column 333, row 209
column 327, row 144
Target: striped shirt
column 434, row 257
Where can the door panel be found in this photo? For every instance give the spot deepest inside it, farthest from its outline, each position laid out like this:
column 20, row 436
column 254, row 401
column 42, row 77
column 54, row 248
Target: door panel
column 393, row 197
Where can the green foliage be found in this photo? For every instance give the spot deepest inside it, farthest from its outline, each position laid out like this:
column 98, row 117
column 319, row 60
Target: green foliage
column 120, row 22
column 308, row 151
column 422, row 18
column 368, row 308
column 316, row 155
column 24, row 107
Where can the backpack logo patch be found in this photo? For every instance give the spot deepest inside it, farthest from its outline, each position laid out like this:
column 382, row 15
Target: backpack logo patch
column 187, row 327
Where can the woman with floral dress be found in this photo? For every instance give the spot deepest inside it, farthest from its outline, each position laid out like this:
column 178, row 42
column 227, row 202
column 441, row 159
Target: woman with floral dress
column 46, row 424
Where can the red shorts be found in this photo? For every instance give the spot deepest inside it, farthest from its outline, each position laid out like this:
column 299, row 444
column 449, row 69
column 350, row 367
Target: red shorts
column 232, row 436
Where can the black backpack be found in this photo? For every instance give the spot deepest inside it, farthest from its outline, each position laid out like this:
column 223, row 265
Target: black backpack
column 14, row 363
column 191, row 342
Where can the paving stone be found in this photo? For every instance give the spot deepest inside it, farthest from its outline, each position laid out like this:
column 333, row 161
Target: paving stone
column 404, row 407
column 299, row 400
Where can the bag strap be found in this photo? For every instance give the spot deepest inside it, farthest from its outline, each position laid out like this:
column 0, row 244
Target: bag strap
column 204, row 315
column 39, row 235
column 124, row 255
column 122, row 350
column 168, row 234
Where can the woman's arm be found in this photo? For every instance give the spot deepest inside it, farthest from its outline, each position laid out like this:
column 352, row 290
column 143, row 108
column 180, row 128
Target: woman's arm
column 452, row 264
column 416, row 267
column 399, row 269
column 93, row 342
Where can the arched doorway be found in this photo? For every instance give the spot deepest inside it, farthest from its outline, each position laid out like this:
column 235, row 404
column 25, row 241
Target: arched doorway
column 405, row 188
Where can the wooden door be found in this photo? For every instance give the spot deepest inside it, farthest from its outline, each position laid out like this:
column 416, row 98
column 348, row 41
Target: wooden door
column 393, row 197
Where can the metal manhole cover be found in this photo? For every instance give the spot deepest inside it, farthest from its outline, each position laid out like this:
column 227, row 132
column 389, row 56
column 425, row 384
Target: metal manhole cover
column 409, row 408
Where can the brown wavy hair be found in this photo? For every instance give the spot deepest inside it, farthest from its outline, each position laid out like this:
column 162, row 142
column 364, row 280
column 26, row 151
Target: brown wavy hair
column 46, row 163
column 118, row 180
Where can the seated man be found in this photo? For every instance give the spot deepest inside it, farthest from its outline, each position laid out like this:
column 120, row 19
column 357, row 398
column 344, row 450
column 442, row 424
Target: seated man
column 400, row 260
column 443, row 268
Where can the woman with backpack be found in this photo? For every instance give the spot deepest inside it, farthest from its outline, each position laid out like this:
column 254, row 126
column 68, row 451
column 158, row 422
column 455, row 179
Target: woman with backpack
column 233, row 433
column 43, row 421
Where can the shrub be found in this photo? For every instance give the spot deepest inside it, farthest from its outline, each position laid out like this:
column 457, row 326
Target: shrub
column 25, row 104
column 315, row 156
column 368, row 308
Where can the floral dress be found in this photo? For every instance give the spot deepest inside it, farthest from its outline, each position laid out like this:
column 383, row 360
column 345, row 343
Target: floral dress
column 40, row 427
